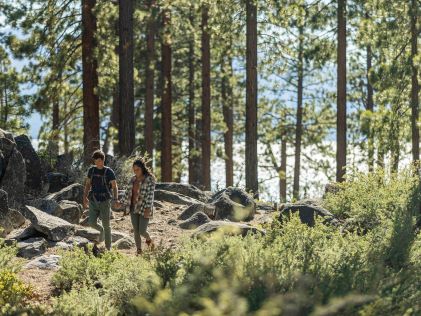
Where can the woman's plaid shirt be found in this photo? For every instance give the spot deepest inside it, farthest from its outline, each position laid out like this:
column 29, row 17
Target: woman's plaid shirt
column 145, row 197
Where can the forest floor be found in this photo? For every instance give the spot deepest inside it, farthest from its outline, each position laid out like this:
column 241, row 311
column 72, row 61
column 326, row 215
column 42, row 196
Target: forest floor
column 163, row 229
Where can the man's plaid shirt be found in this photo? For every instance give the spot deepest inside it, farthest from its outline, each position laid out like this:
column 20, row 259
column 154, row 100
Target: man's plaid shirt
column 145, row 197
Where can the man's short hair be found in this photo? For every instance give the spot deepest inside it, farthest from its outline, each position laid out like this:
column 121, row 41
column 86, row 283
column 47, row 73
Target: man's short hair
column 98, row 154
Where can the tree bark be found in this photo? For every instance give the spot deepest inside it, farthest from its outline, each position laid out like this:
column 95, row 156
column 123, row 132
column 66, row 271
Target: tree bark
column 227, row 110
column 251, row 99
column 414, row 84
column 126, row 130
column 90, row 81
column 370, row 107
column 150, row 77
column 299, row 123
column 341, row 94
column 283, row 170
column 206, row 98
column 166, row 100
column 191, row 110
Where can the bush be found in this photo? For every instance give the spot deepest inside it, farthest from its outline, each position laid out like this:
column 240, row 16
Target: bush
column 371, row 268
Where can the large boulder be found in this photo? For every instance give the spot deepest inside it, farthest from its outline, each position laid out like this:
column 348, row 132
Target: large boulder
column 184, row 189
column 208, row 209
column 70, row 211
column 195, row 221
column 307, row 211
column 10, row 219
column 226, row 227
column 124, row 243
column 92, row 234
column 174, row 198
column 73, row 192
column 57, row 181
column 233, row 204
column 46, row 262
column 55, row 228
column 13, row 171
column 64, row 163
column 34, row 171
column 23, row 234
column 32, row 247
column 265, row 207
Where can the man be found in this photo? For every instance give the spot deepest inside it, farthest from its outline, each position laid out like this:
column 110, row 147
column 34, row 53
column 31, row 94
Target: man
column 98, row 196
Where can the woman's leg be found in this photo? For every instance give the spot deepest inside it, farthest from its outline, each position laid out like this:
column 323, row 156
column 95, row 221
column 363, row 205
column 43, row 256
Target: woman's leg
column 143, row 226
column 135, row 222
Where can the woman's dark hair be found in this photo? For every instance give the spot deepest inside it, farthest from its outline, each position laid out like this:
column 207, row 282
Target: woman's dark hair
column 98, row 154
column 140, row 162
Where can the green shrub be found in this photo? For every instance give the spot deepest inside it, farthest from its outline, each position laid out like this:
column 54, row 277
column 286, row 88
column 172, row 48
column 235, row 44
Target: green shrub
column 83, row 302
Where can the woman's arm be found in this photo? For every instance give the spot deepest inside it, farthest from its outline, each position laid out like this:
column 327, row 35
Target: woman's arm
column 149, row 196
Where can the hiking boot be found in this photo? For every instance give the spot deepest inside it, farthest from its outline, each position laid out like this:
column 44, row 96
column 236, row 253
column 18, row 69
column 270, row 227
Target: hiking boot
column 139, row 252
column 95, row 250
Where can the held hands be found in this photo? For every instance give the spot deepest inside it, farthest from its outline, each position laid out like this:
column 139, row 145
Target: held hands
column 147, row 213
column 85, row 202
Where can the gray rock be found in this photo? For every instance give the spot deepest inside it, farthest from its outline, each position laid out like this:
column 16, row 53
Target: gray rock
column 13, row 171
column 10, row 219
column 55, row 228
column 195, row 221
column 266, row 207
column 70, row 242
column 31, row 247
column 46, row 262
column 307, row 213
column 68, row 210
column 233, row 204
column 124, row 243
column 73, row 192
column 184, row 189
column 22, row 234
column 226, row 227
column 92, row 234
column 208, row 209
column 64, row 163
column 173, row 197
column 57, row 181
column 34, row 172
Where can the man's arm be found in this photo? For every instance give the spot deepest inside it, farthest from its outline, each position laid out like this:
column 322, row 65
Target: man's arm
column 85, row 192
column 115, row 189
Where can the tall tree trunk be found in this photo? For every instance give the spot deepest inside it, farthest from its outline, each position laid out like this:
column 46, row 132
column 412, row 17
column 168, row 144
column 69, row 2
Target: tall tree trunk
column 227, row 110
column 341, row 94
column 191, row 109
column 299, row 123
column 370, row 107
column 414, row 83
column 90, row 81
column 206, row 99
column 66, row 133
column 283, row 170
column 166, row 100
column 126, row 129
column 150, row 74
column 251, row 99
column 54, row 143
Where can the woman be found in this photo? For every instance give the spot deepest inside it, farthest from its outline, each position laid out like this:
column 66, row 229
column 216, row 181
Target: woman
column 140, row 202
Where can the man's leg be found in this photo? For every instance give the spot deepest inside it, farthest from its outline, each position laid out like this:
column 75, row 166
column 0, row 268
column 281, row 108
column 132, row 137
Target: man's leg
column 135, row 222
column 105, row 209
column 94, row 212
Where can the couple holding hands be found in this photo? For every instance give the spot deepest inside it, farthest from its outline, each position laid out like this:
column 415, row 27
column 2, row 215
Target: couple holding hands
column 101, row 194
